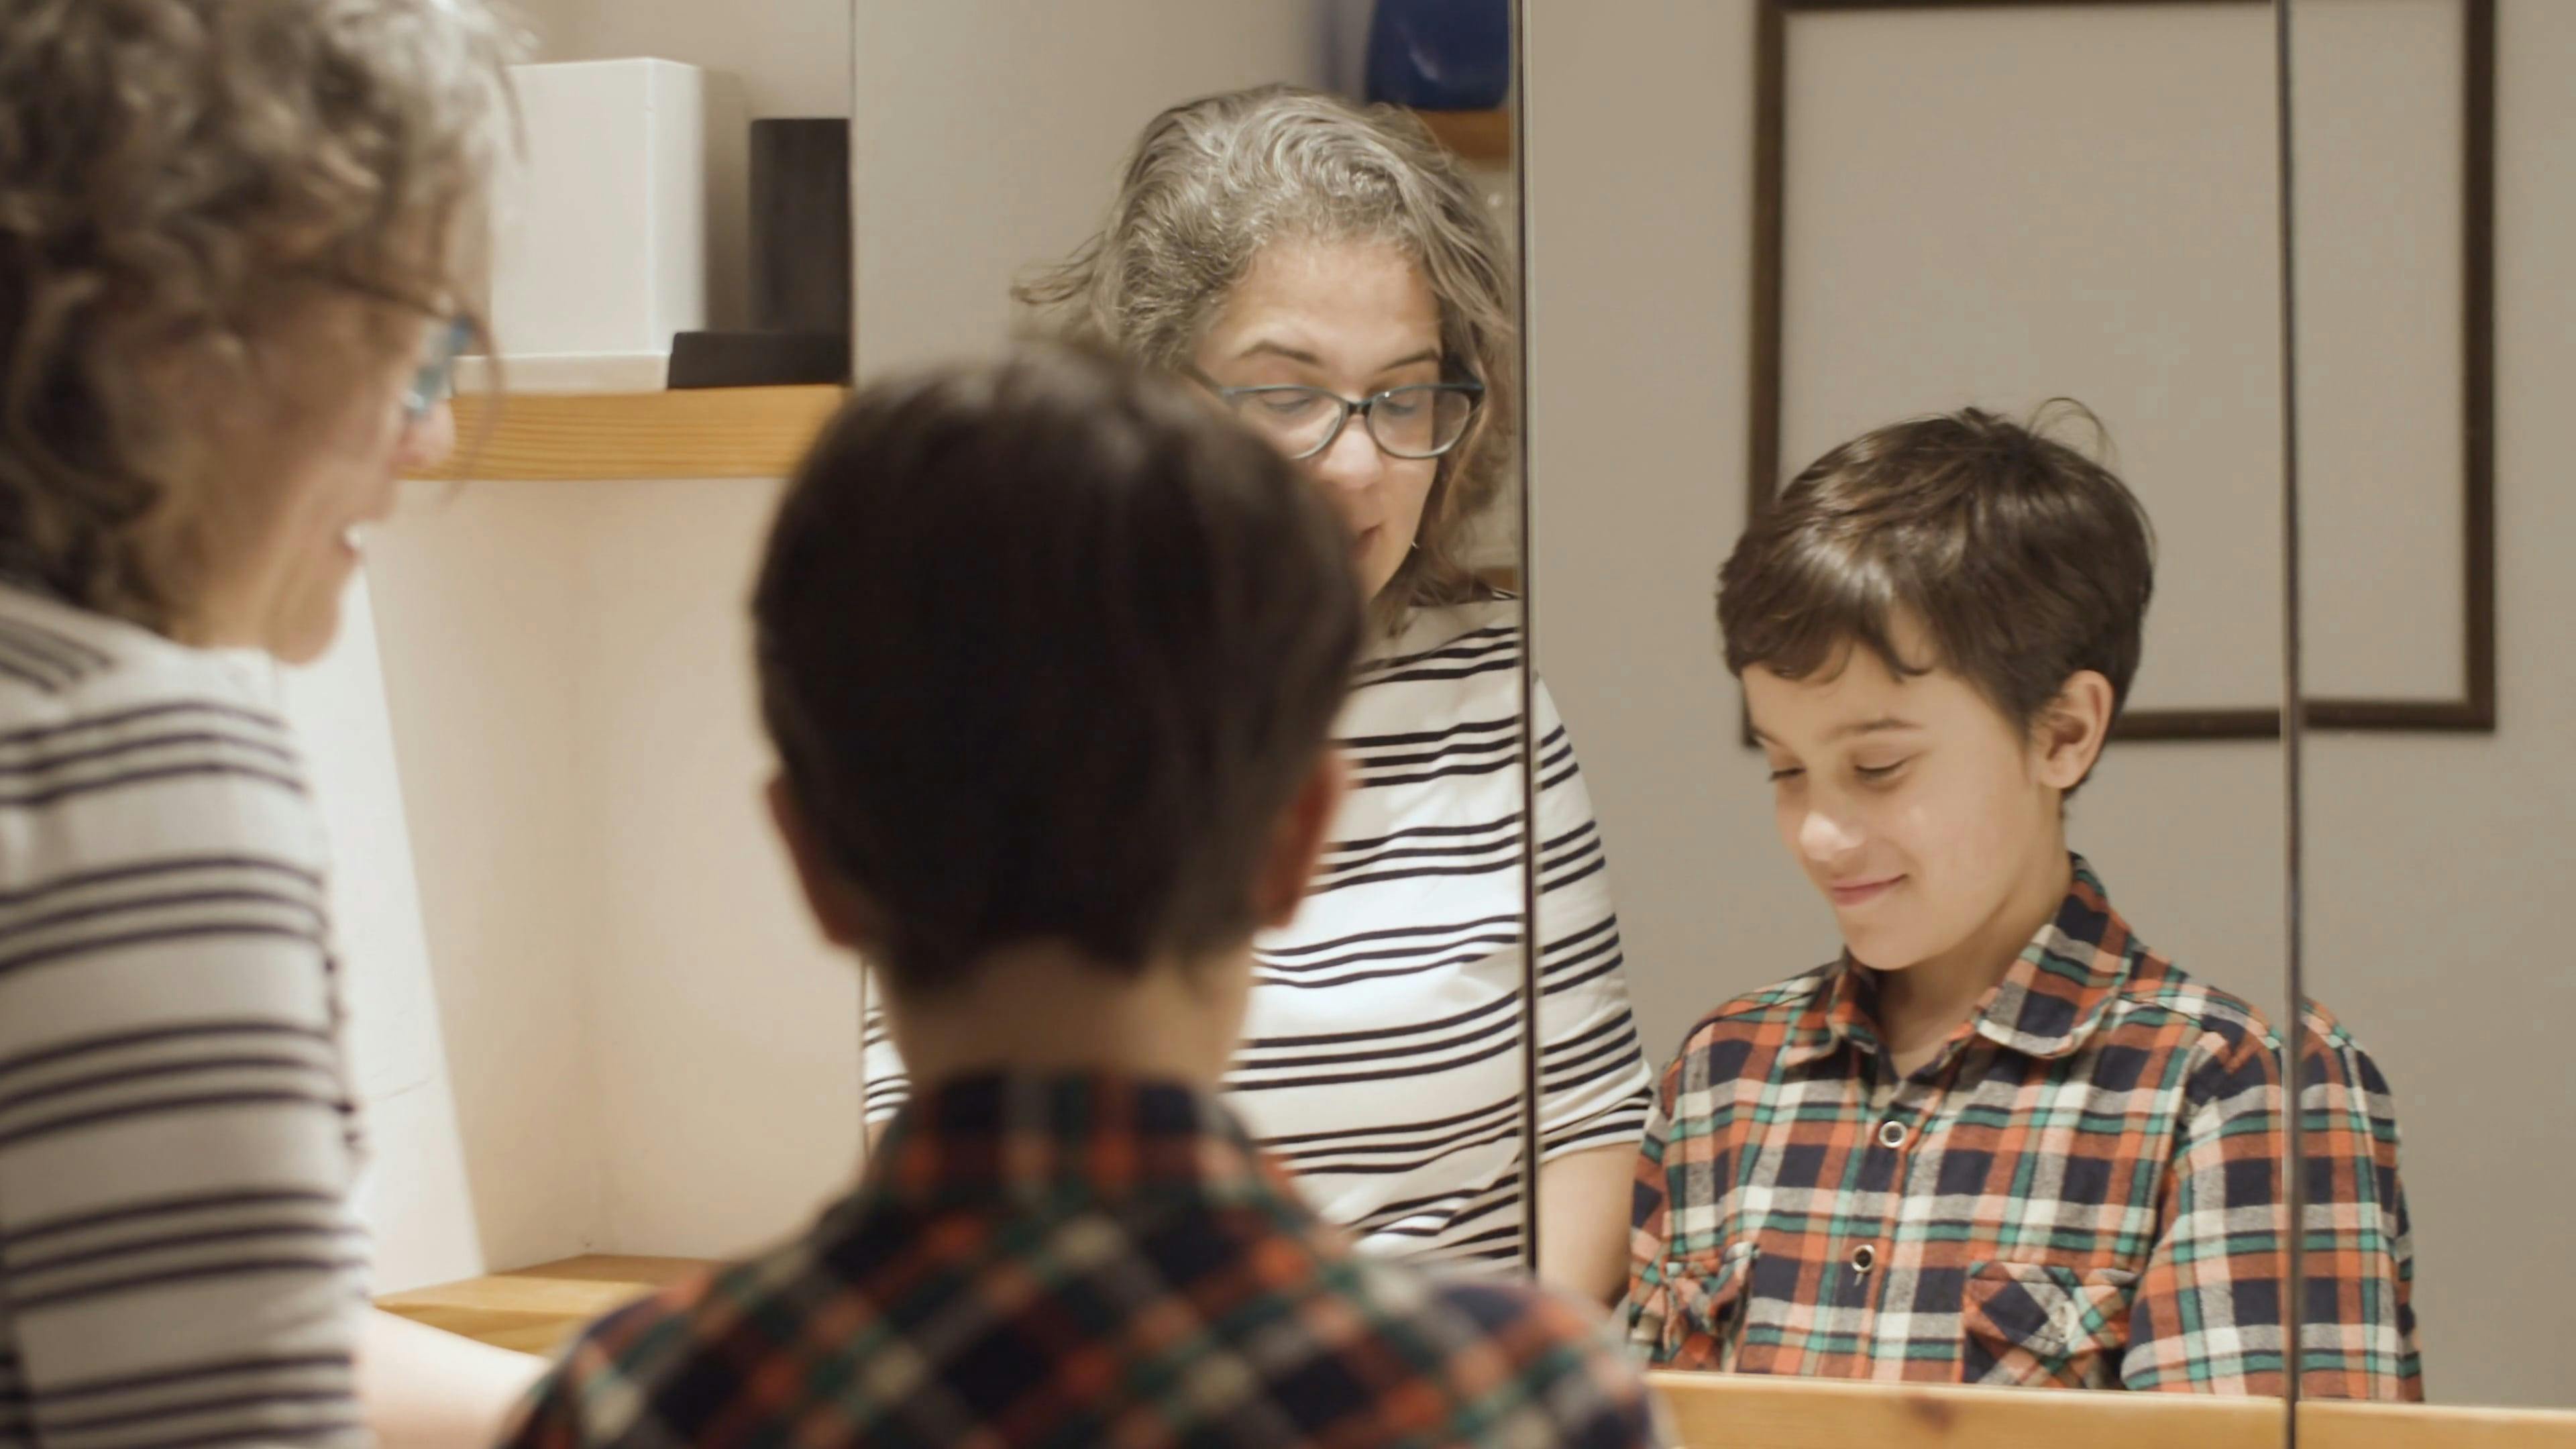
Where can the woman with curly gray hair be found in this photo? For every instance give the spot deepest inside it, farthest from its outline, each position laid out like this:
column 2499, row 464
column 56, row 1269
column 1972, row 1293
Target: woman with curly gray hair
column 1328, row 272
column 236, row 237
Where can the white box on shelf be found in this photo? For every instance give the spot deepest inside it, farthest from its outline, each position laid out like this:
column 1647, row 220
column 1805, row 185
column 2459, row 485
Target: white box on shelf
column 626, row 223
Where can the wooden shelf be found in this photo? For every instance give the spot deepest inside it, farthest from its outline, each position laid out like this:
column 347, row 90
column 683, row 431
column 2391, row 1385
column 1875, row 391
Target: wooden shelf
column 1479, row 136
column 733, row 432
column 536, row 1310
column 1740, row 1411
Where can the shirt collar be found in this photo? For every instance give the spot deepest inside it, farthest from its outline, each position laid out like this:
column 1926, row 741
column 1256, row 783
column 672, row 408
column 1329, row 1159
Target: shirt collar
column 2047, row 1005
column 1055, row 1138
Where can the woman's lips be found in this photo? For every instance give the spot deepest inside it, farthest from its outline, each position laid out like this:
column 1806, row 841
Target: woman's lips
column 1861, row 893
column 1363, row 542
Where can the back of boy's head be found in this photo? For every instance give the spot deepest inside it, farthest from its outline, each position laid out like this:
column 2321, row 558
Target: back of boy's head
column 2022, row 560
column 1047, row 647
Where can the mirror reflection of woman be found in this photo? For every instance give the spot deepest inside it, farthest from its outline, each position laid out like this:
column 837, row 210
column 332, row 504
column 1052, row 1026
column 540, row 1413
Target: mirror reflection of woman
column 1328, row 272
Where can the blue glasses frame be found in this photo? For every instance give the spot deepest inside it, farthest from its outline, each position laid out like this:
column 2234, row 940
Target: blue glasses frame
column 436, row 379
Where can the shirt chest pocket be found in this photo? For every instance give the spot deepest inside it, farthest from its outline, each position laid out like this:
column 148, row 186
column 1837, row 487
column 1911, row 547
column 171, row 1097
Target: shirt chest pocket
column 1698, row 1309
column 2036, row 1324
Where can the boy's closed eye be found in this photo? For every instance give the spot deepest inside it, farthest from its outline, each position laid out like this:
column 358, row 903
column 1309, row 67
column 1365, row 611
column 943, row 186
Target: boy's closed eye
column 1868, row 774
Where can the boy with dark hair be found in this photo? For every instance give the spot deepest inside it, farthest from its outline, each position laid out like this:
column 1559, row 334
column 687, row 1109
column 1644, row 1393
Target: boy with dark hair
column 2000, row 1140
column 1048, row 650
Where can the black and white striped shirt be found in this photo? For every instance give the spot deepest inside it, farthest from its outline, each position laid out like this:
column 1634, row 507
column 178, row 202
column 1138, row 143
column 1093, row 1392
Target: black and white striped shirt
column 178, row 1259
column 1381, row 1059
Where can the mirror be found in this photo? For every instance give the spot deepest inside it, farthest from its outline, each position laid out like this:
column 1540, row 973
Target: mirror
column 2433, row 145
column 1382, row 1060
column 1758, row 230
column 611, row 929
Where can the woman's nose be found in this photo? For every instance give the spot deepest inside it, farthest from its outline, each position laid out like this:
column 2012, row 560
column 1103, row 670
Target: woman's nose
column 1353, row 461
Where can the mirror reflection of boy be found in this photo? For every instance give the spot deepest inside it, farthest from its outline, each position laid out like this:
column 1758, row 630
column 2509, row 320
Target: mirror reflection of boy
column 1048, row 650
column 2001, row 1140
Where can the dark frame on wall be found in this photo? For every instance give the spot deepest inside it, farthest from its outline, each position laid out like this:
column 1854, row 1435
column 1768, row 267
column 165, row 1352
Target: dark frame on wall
column 2475, row 710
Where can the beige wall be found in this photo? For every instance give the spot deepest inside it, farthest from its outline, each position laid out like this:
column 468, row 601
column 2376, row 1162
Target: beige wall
column 417, row 1203
column 792, row 56
column 651, row 1051
column 727, row 1031
column 989, row 136
column 475, row 613
column 2432, row 862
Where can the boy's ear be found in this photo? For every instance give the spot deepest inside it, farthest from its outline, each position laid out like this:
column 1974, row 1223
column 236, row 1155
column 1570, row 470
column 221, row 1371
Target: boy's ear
column 2071, row 730
column 1298, row 842
column 844, row 918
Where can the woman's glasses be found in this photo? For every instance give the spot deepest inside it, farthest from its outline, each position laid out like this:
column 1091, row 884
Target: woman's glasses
column 436, row 378
column 1424, row 420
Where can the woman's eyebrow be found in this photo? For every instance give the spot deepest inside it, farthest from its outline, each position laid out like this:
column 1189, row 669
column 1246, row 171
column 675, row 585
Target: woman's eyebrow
column 1428, row 354
column 1281, row 349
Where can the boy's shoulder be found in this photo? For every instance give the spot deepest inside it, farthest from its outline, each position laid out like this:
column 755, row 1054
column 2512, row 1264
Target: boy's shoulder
column 2156, row 984
column 1562, row 1371
column 2157, row 989
column 2324, row 1033
column 619, row 1355
column 608, row 1385
column 2154, row 992
column 1777, row 1004
column 1411, row 1355
column 1745, row 1032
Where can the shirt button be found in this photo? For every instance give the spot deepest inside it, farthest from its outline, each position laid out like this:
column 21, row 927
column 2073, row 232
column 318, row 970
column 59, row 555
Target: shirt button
column 1891, row 1133
column 1864, row 1258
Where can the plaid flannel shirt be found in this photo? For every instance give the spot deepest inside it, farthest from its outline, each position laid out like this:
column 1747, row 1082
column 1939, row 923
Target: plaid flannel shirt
column 1080, row 1261
column 2358, row 1335
column 2082, row 1188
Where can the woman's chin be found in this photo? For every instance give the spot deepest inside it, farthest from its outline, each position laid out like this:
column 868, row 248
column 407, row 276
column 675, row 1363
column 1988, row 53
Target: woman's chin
column 306, row 633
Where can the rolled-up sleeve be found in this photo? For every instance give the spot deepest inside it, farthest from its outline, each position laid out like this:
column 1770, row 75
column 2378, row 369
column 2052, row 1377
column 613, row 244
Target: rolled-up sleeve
column 178, row 1258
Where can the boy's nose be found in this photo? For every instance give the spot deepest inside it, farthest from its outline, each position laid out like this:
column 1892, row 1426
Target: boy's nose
column 1826, row 839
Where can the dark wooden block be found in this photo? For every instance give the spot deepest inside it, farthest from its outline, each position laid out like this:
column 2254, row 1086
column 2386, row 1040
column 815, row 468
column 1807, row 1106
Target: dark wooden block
column 759, row 359
column 800, row 225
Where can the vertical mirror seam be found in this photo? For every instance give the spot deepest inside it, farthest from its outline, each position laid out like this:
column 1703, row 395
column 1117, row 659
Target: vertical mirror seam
column 1534, row 943
column 2293, row 729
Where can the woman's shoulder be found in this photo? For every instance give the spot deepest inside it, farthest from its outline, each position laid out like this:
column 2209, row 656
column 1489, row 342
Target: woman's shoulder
column 1455, row 651
column 1447, row 677
column 1722, row 1043
column 115, row 741
column 1431, row 628
column 58, row 661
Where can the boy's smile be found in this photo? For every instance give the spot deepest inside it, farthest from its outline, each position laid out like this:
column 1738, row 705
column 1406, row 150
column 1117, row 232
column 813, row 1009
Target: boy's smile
column 1860, row 893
